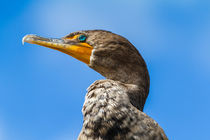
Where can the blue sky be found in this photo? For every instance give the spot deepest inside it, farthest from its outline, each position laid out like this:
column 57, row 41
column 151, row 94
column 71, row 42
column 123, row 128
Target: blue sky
column 42, row 91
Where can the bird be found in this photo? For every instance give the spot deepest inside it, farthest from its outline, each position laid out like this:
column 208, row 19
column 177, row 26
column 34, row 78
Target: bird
column 113, row 107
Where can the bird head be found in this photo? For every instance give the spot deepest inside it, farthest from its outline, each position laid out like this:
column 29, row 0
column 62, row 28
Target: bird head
column 112, row 55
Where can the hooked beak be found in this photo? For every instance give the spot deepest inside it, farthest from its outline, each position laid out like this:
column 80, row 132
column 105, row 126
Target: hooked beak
column 78, row 50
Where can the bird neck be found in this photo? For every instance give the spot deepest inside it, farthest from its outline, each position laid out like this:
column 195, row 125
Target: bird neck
column 135, row 74
column 136, row 79
column 128, row 70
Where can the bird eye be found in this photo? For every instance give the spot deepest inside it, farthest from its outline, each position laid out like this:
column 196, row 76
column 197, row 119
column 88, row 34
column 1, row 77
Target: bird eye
column 82, row 38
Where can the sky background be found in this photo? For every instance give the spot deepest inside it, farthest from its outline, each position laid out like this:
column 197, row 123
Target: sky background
column 42, row 90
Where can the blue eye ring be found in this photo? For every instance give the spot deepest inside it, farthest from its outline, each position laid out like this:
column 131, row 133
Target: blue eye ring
column 82, row 38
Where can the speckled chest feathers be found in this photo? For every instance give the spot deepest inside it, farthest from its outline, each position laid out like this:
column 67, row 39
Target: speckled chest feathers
column 110, row 115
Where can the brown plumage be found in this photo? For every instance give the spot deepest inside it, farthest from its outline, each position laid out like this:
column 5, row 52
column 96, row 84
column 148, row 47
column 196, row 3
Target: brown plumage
column 113, row 107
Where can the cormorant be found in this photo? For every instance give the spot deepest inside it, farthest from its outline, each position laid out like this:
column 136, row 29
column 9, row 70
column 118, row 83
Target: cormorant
column 113, row 107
